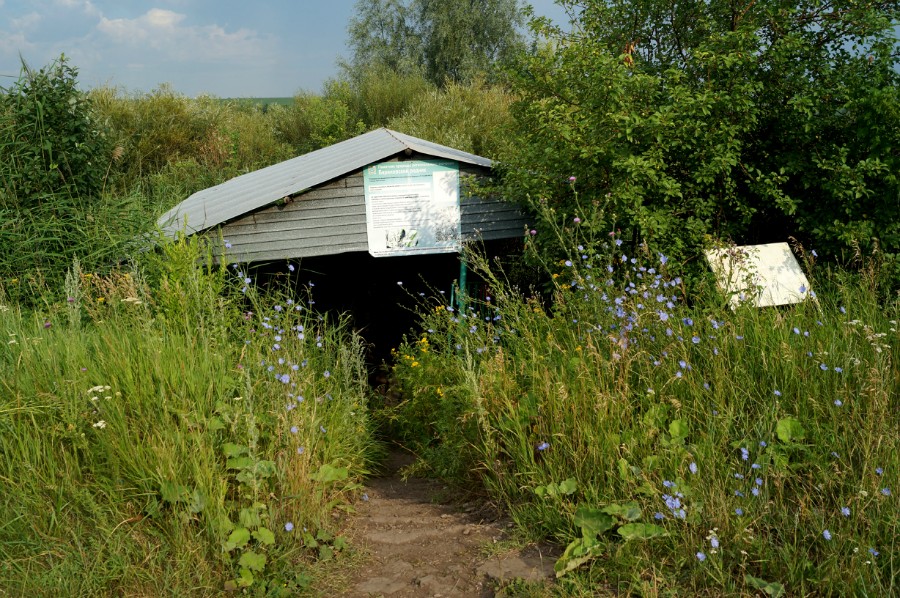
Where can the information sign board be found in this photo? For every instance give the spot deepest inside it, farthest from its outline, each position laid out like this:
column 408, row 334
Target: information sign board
column 412, row 207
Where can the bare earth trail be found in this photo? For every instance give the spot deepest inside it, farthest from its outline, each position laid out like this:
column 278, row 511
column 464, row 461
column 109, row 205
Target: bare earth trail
column 416, row 546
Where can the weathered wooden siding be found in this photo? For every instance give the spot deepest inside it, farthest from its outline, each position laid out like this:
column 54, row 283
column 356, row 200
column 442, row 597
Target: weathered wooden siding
column 331, row 219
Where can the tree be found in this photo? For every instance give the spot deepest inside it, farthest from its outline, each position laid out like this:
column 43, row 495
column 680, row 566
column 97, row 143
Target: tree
column 751, row 120
column 50, row 139
column 446, row 41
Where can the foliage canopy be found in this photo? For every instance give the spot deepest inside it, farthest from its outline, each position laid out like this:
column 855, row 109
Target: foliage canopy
column 751, row 120
column 445, row 41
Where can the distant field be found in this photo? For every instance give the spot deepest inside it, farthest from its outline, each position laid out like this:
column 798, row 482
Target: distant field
column 262, row 101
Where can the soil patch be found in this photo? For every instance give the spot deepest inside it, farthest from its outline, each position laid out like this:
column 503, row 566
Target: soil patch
column 419, row 542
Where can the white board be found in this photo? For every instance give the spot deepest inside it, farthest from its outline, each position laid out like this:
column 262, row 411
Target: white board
column 761, row 274
column 412, row 207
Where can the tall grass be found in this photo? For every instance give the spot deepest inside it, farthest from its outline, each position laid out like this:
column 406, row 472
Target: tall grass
column 673, row 445
column 146, row 448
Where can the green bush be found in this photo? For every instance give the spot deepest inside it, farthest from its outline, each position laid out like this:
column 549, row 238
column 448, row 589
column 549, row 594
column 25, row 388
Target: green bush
column 673, row 445
column 157, row 413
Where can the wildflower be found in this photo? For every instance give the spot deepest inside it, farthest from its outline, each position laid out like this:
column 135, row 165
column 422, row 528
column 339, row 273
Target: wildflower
column 745, row 454
column 701, row 557
column 543, row 446
column 695, row 340
column 839, row 370
column 754, row 491
column 285, row 379
column 668, row 484
column 823, row 367
column 714, row 542
column 322, row 429
column 532, row 232
column 100, row 424
column 813, row 253
column 777, row 393
column 843, row 310
column 693, row 467
column 365, row 497
column 739, row 337
column 301, row 450
column 845, row 511
column 576, row 220
column 572, row 179
column 739, row 512
column 879, row 471
column 796, row 330
column 873, row 552
column 327, row 374
column 838, row 402
column 291, row 267
column 739, row 476
column 568, row 263
column 763, row 443
column 802, row 288
column 288, row 526
column 658, row 516
column 294, row 429
column 47, row 324
column 227, row 244
column 826, row 534
column 886, row 491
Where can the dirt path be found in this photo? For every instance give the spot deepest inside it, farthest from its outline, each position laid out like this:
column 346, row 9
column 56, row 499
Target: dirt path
column 417, row 546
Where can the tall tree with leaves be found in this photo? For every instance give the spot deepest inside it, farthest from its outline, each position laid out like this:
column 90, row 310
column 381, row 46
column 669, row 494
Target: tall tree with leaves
column 749, row 119
column 445, row 41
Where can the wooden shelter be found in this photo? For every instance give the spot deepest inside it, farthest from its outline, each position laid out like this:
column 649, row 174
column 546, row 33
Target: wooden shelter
column 313, row 210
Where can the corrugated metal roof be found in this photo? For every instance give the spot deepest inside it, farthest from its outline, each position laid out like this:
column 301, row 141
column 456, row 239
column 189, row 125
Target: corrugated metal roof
column 246, row 193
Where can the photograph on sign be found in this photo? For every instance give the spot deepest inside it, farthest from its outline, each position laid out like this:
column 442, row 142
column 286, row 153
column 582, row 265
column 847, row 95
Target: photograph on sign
column 412, row 207
column 761, row 274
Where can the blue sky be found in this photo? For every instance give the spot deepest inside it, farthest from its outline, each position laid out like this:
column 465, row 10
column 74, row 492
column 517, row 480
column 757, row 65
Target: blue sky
column 220, row 47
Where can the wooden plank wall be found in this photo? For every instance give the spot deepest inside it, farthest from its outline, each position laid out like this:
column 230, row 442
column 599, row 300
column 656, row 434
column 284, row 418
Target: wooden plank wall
column 331, row 219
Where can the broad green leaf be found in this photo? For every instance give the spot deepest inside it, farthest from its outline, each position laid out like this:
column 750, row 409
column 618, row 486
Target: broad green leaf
column 264, row 536
column 197, row 501
column 329, row 473
column 237, row 539
column 265, row 469
column 624, row 470
column 246, row 578
column 789, row 430
column 641, row 531
column 592, row 521
column 630, row 511
column 678, row 429
column 771, row 588
column 253, row 561
column 568, row 486
column 576, row 554
column 233, row 450
column 239, row 462
column 173, row 493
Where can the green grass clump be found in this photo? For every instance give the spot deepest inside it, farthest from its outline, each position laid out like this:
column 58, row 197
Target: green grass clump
column 146, row 448
column 672, row 444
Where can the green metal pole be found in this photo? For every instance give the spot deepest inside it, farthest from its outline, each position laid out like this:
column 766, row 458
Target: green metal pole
column 461, row 292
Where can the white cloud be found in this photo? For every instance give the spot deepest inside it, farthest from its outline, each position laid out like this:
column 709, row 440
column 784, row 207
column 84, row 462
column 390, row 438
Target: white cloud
column 85, row 6
column 28, row 21
column 13, row 42
column 165, row 31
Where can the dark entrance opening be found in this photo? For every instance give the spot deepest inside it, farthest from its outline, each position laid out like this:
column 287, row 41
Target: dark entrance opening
column 382, row 295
